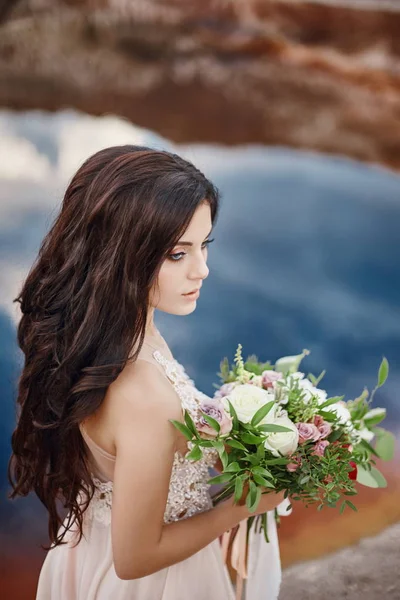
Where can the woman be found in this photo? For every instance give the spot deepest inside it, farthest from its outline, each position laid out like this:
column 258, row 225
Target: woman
column 100, row 385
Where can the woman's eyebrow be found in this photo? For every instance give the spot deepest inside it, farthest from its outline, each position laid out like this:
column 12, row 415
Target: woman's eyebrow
column 190, row 243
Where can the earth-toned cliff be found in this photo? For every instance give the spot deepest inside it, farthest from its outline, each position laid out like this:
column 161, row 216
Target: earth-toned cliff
column 316, row 75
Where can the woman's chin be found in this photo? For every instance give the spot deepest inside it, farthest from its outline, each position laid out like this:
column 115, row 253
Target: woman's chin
column 179, row 310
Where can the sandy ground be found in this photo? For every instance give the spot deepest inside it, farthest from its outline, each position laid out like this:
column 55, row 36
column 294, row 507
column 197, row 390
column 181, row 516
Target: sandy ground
column 369, row 570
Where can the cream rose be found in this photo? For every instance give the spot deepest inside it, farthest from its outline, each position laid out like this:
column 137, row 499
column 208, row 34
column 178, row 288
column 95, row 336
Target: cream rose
column 246, row 399
column 284, row 442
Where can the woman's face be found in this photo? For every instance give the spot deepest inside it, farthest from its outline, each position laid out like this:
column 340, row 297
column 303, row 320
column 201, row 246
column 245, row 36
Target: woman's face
column 185, row 267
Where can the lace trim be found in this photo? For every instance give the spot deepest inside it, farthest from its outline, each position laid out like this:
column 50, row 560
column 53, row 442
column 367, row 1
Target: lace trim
column 188, row 487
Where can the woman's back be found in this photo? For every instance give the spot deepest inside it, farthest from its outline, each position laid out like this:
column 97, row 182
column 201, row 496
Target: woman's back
column 75, row 569
column 97, row 430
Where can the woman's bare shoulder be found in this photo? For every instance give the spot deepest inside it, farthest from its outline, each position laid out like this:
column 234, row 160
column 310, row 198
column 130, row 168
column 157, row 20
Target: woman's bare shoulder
column 143, row 386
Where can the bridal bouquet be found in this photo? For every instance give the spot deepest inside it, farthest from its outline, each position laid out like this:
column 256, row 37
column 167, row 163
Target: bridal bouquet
column 275, row 429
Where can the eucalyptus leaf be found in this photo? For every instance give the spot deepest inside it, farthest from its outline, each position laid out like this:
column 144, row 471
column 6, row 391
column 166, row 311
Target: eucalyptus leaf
column 385, row 445
column 372, row 478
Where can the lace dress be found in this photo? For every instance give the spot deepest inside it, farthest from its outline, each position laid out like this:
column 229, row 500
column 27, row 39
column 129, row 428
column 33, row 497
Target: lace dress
column 86, row 571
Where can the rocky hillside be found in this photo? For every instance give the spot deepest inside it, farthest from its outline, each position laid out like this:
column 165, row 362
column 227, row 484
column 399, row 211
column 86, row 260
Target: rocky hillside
column 368, row 570
column 322, row 75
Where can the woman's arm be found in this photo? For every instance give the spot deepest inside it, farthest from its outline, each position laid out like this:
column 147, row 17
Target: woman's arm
column 146, row 442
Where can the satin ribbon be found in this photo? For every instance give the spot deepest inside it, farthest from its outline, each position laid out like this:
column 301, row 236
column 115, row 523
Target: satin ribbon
column 236, row 538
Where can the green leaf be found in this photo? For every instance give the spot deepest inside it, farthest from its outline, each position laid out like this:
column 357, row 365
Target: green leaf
column 250, row 438
column 253, row 497
column 351, row 505
column 212, row 422
column 383, row 372
column 223, row 478
column 385, row 445
column 224, row 458
column 233, row 413
column 262, row 413
column 374, row 416
column 190, row 424
column 182, row 428
column 277, row 461
column 335, row 435
column 372, row 478
column 219, row 446
column 194, row 454
column 368, row 447
column 260, row 451
column 232, row 468
column 238, row 488
column 328, row 416
column 261, row 471
column 271, row 428
column 262, row 481
column 304, row 479
column 235, row 444
column 343, row 506
column 330, row 401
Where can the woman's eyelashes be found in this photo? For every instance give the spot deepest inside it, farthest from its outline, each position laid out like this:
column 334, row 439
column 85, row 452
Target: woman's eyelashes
column 179, row 255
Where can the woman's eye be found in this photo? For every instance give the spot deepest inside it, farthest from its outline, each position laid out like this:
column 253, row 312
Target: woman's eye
column 179, row 255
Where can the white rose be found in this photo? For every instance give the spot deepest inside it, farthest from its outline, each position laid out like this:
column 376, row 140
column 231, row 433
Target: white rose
column 342, row 412
column 311, row 391
column 366, row 434
column 246, row 399
column 284, row 442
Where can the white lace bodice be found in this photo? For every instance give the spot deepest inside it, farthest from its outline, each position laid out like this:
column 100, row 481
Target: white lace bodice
column 188, row 488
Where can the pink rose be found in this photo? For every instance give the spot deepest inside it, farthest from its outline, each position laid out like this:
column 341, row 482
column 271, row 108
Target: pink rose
column 269, row 378
column 294, row 465
column 319, row 448
column 214, row 408
column 324, row 428
column 308, row 432
column 225, row 390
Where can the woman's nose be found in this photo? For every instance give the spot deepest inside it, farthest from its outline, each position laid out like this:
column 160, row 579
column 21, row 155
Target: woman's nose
column 199, row 269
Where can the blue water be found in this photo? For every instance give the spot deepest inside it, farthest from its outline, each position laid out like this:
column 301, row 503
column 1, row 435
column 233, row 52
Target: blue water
column 306, row 254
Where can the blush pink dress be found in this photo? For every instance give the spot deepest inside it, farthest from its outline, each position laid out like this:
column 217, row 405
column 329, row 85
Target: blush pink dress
column 86, row 571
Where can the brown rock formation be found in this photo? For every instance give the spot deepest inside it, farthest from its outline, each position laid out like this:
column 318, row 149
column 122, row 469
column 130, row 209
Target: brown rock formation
column 317, row 75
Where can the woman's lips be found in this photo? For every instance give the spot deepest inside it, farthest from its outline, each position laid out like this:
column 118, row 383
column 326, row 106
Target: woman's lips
column 192, row 295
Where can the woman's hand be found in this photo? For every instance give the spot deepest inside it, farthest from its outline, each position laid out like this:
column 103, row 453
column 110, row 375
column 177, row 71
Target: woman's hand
column 268, row 501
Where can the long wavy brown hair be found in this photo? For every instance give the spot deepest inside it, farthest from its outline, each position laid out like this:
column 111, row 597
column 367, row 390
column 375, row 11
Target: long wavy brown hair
column 84, row 307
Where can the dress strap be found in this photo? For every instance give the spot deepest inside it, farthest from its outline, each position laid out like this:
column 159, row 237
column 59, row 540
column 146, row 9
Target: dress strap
column 183, row 385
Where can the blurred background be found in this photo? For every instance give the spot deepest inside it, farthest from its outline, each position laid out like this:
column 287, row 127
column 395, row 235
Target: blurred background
column 293, row 109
